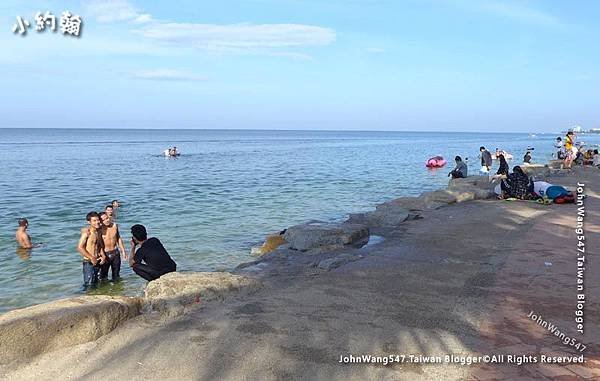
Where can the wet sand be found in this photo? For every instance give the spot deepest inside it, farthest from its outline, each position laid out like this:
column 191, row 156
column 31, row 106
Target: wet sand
column 461, row 280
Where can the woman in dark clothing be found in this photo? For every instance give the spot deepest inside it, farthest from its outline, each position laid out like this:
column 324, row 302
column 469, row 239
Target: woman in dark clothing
column 503, row 170
column 517, row 185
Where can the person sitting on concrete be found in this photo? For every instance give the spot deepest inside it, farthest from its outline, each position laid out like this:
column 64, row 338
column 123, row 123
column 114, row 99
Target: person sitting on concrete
column 460, row 171
column 150, row 260
column 517, row 185
column 596, row 159
column 527, row 158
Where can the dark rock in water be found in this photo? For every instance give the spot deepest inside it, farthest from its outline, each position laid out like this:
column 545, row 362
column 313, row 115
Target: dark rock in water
column 318, row 234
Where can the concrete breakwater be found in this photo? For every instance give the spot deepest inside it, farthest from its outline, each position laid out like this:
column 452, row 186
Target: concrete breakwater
column 28, row 332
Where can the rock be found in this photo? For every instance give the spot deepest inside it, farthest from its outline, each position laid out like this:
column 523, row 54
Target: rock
column 386, row 214
column 173, row 293
column 435, row 199
column 335, row 262
column 31, row 331
column 555, row 164
column 471, row 188
column 317, row 234
column 481, row 182
column 463, row 194
column 409, row 203
column 536, row 170
column 272, row 242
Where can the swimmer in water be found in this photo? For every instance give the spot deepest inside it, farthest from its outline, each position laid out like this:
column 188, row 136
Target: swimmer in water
column 22, row 237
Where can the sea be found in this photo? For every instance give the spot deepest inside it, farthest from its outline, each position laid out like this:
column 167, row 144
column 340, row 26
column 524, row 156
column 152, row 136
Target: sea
column 223, row 195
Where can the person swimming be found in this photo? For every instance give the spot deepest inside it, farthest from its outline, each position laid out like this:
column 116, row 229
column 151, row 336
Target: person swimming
column 21, row 236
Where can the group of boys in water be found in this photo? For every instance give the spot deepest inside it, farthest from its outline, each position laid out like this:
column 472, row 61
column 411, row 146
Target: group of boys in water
column 101, row 247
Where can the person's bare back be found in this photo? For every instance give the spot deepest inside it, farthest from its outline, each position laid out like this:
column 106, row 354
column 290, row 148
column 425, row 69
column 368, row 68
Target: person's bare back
column 21, row 235
column 23, row 239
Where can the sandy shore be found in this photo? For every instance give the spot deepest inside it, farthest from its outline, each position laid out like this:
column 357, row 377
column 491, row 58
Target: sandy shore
column 461, row 280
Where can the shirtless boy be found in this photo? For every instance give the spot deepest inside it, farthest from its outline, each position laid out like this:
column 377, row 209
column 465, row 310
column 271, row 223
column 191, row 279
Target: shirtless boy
column 21, row 236
column 112, row 243
column 91, row 248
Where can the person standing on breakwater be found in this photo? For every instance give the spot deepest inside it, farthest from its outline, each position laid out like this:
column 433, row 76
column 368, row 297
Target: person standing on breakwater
column 460, row 171
column 22, row 236
column 91, row 249
column 570, row 149
column 486, row 159
column 157, row 261
column 112, row 243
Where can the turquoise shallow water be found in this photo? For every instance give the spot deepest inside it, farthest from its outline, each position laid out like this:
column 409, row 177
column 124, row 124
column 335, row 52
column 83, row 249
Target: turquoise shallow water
column 208, row 207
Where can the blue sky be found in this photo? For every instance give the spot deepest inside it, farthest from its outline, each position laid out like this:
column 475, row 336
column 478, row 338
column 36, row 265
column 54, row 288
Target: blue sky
column 464, row 65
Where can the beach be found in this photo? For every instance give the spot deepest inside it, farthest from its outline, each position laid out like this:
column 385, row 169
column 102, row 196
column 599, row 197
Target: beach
column 461, row 280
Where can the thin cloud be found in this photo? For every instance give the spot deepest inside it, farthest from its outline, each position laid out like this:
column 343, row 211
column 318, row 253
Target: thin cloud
column 519, row 12
column 239, row 37
column 515, row 11
column 114, row 11
column 167, row 75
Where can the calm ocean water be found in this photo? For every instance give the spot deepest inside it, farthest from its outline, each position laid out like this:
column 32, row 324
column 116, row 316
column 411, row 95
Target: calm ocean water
column 208, row 207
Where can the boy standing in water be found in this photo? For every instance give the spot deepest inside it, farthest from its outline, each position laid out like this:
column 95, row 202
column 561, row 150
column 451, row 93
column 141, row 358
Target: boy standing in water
column 112, row 241
column 21, row 236
column 90, row 247
column 111, row 209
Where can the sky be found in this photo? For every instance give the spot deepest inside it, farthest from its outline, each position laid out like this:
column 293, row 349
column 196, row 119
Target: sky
column 417, row 65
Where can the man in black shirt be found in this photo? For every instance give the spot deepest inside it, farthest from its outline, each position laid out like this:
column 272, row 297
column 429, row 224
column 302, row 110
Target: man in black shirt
column 157, row 261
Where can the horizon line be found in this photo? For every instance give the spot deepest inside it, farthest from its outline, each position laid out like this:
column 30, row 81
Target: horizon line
column 267, row 129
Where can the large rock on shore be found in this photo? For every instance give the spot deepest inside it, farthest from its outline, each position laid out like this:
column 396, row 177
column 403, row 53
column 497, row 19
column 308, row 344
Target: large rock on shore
column 316, row 234
column 27, row 332
column 173, row 293
column 388, row 214
column 471, row 188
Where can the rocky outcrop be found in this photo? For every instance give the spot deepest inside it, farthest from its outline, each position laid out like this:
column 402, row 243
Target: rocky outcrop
column 316, row 234
column 173, row 293
column 387, row 214
column 471, row 188
column 435, row 199
column 27, row 332
column 337, row 261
